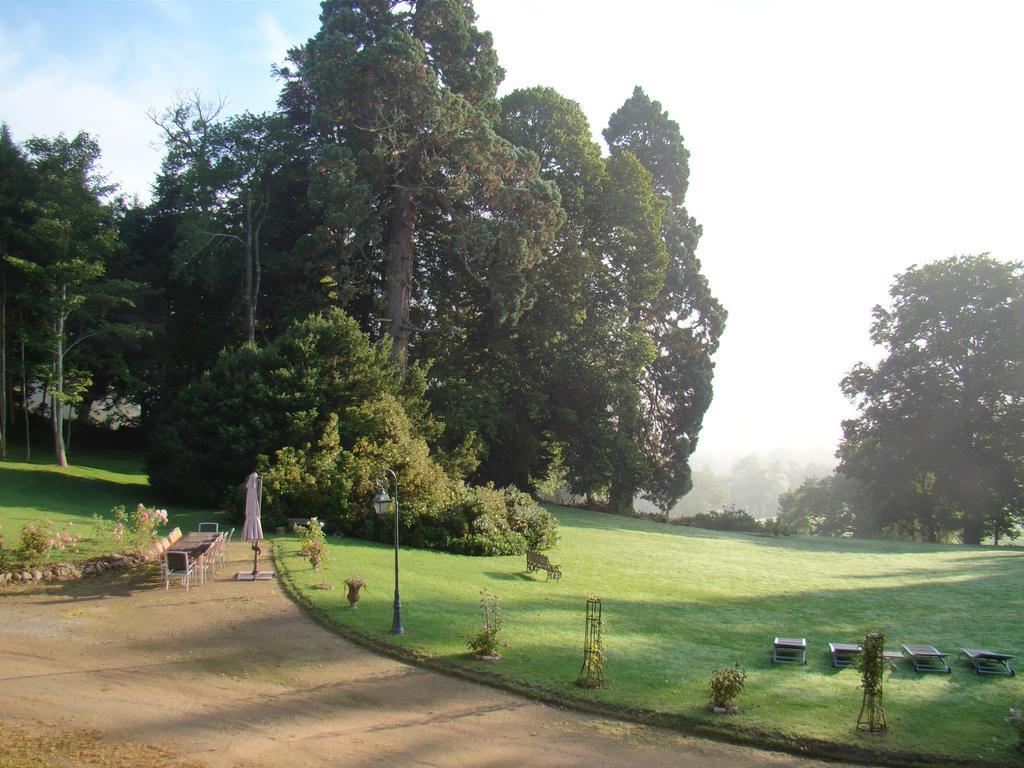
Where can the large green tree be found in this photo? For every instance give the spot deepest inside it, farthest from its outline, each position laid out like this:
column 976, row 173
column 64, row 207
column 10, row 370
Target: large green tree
column 15, row 192
column 939, row 441
column 72, row 233
column 592, row 372
column 682, row 319
column 225, row 178
column 401, row 98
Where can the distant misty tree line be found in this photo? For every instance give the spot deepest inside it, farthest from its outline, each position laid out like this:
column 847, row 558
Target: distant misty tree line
column 543, row 300
column 753, row 484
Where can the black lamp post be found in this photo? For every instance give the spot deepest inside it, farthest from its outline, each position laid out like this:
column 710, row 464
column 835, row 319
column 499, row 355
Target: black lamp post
column 381, row 503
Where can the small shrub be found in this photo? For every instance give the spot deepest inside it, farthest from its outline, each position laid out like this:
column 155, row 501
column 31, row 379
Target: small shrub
column 728, row 519
column 1015, row 719
column 485, row 642
column 313, row 542
column 726, row 684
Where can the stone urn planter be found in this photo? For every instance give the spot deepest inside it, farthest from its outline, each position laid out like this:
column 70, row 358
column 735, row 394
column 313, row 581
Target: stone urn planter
column 354, row 584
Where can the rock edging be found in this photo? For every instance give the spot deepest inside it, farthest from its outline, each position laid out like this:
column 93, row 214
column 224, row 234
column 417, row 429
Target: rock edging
column 95, row 566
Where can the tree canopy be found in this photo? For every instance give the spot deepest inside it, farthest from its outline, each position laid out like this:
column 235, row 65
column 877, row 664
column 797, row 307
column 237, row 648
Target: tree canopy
column 939, row 440
column 547, row 295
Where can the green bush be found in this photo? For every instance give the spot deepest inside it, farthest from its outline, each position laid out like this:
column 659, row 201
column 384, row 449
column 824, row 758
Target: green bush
column 498, row 522
column 319, row 413
column 255, row 402
column 728, row 519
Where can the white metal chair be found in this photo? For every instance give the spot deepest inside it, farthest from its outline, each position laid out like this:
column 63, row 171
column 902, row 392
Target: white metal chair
column 178, row 565
column 225, row 542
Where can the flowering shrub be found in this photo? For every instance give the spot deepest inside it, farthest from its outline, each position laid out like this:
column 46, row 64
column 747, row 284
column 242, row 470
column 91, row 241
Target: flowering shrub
column 1016, row 720
column 36, row 543
column 137, row 528
column 313, row 542
column 485, row 642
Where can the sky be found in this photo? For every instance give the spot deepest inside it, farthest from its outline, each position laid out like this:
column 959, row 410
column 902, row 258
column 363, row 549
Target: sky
column 832, row 145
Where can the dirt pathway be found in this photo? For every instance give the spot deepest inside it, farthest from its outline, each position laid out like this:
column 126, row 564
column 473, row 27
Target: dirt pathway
column 117, row 671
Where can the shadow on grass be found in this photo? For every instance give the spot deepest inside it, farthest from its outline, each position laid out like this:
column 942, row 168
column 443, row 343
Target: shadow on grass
column 513, row 576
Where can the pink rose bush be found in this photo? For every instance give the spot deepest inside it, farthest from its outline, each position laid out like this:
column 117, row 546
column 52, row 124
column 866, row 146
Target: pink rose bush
column 37, row 542
column 138, row 528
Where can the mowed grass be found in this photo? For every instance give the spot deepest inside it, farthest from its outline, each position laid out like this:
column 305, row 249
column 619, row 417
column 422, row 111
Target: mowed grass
column 40, row 490
column 679, row 602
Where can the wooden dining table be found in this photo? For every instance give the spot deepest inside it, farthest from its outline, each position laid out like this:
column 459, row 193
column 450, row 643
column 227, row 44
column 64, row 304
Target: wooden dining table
column 200, row 547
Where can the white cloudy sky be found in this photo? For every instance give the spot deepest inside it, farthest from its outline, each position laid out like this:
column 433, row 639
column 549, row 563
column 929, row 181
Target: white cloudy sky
column 833, row 144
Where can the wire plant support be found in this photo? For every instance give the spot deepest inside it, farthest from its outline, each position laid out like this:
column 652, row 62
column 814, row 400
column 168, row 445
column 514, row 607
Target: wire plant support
column 872, row 709
column 592, row 672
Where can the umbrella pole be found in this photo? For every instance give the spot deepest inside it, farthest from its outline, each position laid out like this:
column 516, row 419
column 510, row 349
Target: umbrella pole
column 255, row 558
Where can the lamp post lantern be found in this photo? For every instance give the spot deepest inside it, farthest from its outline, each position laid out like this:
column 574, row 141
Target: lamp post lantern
column 381, row 504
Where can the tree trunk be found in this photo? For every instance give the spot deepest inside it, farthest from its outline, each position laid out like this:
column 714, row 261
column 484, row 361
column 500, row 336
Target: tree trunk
column 620, row 498
column 401, row 235
column 257, row 267
column 973, row 530
column 57, row 399
column 24, row 403
column 247, row 276
column 4, row 390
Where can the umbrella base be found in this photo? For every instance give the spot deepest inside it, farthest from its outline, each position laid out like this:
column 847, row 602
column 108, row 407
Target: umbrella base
column 258, row 576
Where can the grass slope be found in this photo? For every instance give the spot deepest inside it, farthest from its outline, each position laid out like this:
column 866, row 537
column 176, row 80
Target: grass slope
column 40, row 490
column 680, row 602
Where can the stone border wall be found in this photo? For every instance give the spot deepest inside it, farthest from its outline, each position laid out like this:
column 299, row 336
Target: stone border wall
column 95, row 566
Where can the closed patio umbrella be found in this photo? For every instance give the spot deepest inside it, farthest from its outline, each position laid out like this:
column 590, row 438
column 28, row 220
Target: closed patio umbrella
column 253, row 528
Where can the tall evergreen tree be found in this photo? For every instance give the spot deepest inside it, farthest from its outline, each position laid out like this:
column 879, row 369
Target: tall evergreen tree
column 684, row 321
column 402, row 96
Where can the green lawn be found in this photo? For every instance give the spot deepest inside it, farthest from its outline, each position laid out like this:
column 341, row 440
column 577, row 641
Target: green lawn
column 679, row 602
column 40, row 490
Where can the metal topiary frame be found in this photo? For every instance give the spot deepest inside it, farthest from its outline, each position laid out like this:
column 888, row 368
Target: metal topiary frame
column 872, row 671
column 592, row 672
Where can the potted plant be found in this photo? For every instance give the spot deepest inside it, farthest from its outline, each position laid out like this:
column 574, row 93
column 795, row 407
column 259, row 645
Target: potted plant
column 314, row 546
column 726, row 684
column 354, row 584
column 484, row 643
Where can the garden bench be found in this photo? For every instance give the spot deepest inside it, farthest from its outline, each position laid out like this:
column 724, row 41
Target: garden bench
column 535, row 561
column 844, row 654
column 891, row 657
column 789, row 650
